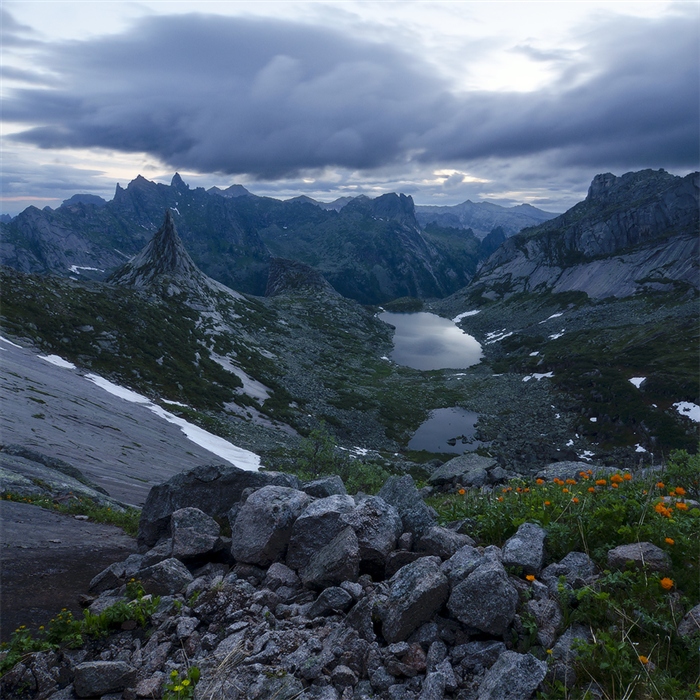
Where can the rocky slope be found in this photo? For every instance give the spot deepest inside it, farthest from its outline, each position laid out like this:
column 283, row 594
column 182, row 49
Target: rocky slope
column 632, row 233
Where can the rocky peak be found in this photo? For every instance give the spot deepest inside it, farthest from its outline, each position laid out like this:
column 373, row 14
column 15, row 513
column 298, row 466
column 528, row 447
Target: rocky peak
column 178, row 183
column 294, row 276
column 601, row 185
column 164, row 254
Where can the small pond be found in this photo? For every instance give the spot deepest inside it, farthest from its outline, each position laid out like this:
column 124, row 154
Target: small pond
column 447, row 430
column 425, row 341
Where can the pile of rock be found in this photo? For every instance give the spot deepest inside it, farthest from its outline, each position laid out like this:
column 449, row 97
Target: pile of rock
column 318, row 595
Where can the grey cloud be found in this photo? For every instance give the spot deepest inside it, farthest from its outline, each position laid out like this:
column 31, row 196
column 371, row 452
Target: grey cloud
column 272, row 99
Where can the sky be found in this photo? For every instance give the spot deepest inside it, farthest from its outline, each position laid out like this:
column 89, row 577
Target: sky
column 508, row 102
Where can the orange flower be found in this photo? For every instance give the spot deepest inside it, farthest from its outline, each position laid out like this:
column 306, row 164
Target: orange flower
column 500, row 498
column 574, row 500
column 660, row 485
column 589, row 471
column 661, row 509
column 519, row 489
column 666, row 583
column 682, row 506
column 627, row 477
column 565, row 490
column 591, row 489
column 614, row 485
column 547, row 503
column 680, row 491
column 643, row 659
column 669, row 540
column 600, row 482
column 571, row 481
column 583, row 474
column 557, row 481
column 616, row 479
column 461, row 492
column 539, row 481
column 530, row 577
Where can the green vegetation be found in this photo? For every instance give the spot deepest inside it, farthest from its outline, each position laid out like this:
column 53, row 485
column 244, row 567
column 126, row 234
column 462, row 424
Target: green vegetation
column 64, row 630
column 633, row 615
column 125, row 518
column 181, row 686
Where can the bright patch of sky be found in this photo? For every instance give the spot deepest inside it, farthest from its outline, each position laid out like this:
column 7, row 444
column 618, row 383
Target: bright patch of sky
column 689, row 410
column 517, row 68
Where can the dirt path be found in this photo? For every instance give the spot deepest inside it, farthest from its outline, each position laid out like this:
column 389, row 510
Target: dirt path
column 47, row 560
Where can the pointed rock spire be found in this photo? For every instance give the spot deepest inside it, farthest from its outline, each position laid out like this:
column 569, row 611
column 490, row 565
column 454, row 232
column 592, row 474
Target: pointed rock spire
column 164, row 254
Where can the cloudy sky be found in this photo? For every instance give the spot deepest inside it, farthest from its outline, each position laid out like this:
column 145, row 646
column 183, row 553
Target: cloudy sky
column 446, row 101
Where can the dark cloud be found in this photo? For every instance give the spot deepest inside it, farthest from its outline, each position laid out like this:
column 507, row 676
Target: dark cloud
column 273, row 99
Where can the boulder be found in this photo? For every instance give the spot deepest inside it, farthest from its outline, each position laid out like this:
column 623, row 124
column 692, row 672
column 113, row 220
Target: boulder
column 212, row 488
column 641, row 555
column 576, row 567
column 465, row 560
column 331, row 600
column 324, row 487
column 485, row 600
column 193, row 533
column 416, row 592
column 317, row 525
column 526, row 548
column 466, row 470
column 477, row 656
column 442, row 542
column 549, row 619
column 564, row 655
column 690, row 624
column 111, row 577
column 377, row 526
column 338, row 561
column 167, row 577
column 513, row 677
column 264, row 524
column 401, row 492
column 95, row 678
column 433, row 687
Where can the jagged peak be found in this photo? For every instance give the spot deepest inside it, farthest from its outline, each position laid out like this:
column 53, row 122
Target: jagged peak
column 178, row 183
column 164, row 254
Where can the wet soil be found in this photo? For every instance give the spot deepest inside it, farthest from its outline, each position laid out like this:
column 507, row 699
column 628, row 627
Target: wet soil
column 47, row 560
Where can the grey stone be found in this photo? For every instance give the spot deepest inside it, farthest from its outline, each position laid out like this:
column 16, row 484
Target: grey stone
column 162, row 550
column 451, row 682
column 185, row 627
column 265, row 687
column 401, row 492
column 338, row 561
column 549, row 619
column 462, row 563
column 513, row 677
column 526, row 548
column 416, row 593
column 442, row 542
column 167, row 577
column 485, row 600
column 212, row 488
column 279, row 575
column 330, row 601
column 315, row 527
column 476, row 656
column 360, row 618
column 577, row 568
column 564, row 655
column 398, row 559
column 193, row 533
column 436, row 654
column 642, row 555
column 151, row 687
column 343, row 676
column 112, row 577
column 377, row 526
column 324, row 487
column 433, row 687
column 94, row 678
column 381, row 679
column 264, row 524
column 690, row 624
column 467, row 470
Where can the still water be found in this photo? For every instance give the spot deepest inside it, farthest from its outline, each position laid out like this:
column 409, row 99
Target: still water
column 447, row 430
column 426, row 341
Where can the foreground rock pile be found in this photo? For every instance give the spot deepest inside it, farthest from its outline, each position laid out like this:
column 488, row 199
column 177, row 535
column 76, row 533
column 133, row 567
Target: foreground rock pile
column 318, row 595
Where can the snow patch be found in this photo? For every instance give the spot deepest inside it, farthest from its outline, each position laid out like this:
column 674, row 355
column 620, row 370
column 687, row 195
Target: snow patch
column 552, row 316
column 594, row 420
column 9, row 342
column 570, row 443
column 535, row 354
column 459, row 317
column 58, row 361
column 243, row 459
column 538, row 376
column 637, row 381
column 251, row 387
column 689, row 410
column 554, row 336
column 175, row 403
column 77, row 268
column 639, row 448
column 586, row 454
column 496, row 336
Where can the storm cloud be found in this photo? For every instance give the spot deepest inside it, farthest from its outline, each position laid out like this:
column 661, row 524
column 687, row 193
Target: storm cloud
column 272, row 98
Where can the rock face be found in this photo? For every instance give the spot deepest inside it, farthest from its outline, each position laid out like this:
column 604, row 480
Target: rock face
column 401, row 492
column 634, row 232
column 292, row 276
